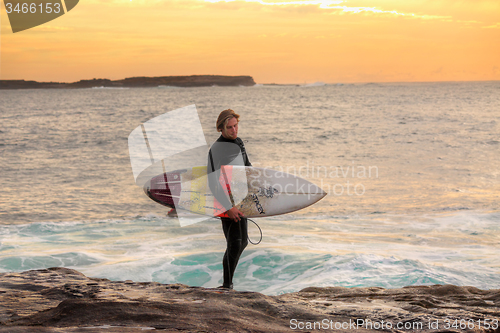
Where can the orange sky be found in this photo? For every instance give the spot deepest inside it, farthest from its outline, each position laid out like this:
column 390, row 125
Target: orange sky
column 278, row 41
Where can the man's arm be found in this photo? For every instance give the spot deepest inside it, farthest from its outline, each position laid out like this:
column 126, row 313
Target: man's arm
column 243, row 150
column 213, row 173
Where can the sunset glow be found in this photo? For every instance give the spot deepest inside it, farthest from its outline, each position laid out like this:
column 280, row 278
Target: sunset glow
column 274, row 41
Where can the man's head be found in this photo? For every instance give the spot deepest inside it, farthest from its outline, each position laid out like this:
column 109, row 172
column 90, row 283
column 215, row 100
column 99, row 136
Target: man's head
column 227, row 123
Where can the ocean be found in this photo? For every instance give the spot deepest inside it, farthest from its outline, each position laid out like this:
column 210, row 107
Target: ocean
column 411, row 171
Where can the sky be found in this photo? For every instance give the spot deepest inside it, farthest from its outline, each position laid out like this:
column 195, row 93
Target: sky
column 274, row 41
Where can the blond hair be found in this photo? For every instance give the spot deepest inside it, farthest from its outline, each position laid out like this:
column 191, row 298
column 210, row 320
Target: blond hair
column 224, row 117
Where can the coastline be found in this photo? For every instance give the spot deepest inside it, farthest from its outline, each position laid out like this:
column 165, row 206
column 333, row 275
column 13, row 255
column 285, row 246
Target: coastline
column 137, row 82
column 64, row 300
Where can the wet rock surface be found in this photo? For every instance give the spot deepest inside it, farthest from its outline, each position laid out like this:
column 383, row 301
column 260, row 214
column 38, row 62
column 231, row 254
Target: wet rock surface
column 64, row 300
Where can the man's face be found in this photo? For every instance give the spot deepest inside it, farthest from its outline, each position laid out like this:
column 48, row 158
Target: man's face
column 231, row 129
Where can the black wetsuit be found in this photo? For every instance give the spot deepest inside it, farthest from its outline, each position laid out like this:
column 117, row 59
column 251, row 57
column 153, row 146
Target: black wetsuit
column 228, row 152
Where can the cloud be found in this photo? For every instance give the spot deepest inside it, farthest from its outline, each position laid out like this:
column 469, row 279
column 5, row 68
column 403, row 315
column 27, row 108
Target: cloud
column 493, row 26
column 320, row 3
column 51, row 28
column 334, row 6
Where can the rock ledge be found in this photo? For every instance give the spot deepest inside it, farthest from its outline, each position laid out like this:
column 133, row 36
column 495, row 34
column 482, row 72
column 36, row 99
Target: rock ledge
column 64, row 300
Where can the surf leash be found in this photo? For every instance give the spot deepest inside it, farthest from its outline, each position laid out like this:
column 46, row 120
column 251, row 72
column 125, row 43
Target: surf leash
column 260, row 240
column 248, row 237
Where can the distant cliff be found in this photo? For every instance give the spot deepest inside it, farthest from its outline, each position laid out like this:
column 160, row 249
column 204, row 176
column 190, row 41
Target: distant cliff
column 136, row 82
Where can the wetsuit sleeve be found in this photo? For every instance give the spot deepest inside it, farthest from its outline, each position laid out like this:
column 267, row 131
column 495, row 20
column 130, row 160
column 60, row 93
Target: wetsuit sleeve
column 244, row 152
column 247, row 162
column 213, row 173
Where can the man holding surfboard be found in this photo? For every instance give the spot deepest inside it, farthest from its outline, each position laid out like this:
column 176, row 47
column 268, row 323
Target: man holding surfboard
column 228, row 150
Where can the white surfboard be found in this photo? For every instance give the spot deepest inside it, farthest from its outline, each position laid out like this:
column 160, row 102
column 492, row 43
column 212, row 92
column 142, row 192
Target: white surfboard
column 256, row 192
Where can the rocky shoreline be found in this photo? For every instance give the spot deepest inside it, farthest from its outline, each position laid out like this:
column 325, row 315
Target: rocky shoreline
column 64, row 300
column 137, row 82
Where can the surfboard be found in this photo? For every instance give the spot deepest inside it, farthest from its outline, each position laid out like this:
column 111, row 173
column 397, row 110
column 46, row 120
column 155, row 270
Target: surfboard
column 256, row 192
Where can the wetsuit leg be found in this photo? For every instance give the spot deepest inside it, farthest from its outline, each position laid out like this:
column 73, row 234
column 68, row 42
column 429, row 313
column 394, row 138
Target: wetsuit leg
column 236, row 234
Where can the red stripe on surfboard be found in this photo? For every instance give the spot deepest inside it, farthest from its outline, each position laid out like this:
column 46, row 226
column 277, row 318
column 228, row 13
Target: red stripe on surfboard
column 220, row 211
column 164, row 191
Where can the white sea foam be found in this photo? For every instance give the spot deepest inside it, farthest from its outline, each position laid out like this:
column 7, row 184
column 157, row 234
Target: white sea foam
column 295, row 253
column 315, row 84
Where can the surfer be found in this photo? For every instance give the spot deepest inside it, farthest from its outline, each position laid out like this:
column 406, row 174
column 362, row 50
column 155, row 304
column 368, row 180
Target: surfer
column 228, row 150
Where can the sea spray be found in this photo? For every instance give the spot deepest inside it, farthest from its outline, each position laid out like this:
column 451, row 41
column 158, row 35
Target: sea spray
column 384, row 251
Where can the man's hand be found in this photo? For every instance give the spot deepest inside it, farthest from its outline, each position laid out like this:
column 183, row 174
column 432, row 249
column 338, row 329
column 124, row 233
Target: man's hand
column 234, row 214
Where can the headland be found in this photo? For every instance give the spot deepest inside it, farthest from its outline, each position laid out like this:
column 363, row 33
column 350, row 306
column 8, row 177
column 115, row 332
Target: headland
column 137, row 82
